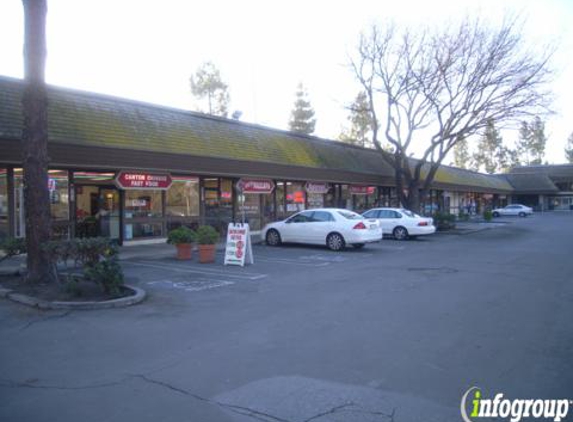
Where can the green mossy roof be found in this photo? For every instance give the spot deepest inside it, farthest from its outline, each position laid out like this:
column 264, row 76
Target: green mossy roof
column 81, row 118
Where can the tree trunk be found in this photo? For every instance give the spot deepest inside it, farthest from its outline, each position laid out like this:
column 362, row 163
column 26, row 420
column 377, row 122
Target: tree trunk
column 416, row 197
column 35, row 142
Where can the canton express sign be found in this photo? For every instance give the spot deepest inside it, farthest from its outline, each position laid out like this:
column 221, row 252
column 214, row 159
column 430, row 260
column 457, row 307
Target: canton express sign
column 142, row 180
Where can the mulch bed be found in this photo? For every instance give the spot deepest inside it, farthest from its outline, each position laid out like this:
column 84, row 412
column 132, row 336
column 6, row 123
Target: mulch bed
column 82, row 291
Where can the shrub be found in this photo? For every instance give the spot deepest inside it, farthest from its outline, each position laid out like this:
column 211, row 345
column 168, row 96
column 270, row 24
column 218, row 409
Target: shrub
column 487, row 215
column 181, row 234
column 444, row 221
column 82, row 251
column 462, row 216
column 96, row 256
column 12, row 246
column 207, row 235
column 108, row 274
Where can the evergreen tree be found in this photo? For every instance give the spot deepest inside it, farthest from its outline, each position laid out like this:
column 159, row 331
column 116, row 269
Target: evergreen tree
column 532, row 141
column 539, row 140
column 360, row 117
column 302, row 116
column 207, row 84
column 461, row 154
column 569, row 149
column 491, row 154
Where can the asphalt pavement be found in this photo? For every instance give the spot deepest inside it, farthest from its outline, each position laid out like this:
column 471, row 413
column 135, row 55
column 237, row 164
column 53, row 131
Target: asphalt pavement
column 397, row 331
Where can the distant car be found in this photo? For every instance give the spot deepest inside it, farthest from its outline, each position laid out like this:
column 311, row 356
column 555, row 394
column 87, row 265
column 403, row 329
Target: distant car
column 401, row 223
column 332, row 227
column 513, row 209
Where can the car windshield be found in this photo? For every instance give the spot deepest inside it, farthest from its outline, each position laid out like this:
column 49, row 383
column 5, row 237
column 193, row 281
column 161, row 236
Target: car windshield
column 350, row 215
column 410, row 213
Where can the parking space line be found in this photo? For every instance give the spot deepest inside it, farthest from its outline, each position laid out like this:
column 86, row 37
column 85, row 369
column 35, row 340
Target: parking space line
column 209, row 272
column 292, row 262
column 196, row 285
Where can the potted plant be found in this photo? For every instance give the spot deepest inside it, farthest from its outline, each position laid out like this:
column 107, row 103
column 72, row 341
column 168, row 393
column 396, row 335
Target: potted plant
column 207, row 238
column 183, row 238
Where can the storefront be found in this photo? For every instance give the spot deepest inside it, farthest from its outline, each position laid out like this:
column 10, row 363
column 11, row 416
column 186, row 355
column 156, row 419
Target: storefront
column 131, row 206
column 133, row 171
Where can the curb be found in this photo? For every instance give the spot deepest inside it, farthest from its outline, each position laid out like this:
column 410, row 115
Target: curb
column 458, row 232
column 121, row 302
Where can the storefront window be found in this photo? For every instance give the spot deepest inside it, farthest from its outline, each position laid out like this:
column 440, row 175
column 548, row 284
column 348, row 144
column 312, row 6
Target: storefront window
column 250, row 210
column 296, row 197
column 360, row 203
column 385, row 197
column 183, row 197
column 330, row 197
column 218, row 199
column 143, row 203
column 97, row 204
column 280, row 198
column 3, row 203
column 141, row 208
column 142, row 230
column 59, row 197
column 345, row 200
column 19, row 224
column 59, row 202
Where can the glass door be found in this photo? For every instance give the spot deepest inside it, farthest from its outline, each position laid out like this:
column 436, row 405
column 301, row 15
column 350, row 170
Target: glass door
column 108, row 212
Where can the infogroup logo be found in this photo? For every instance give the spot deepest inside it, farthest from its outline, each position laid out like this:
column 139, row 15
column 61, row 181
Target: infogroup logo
column 515, row 410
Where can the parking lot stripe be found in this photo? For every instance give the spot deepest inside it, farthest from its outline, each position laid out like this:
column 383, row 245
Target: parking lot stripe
column 292, row 262
column 250, row 276
column 196, row 285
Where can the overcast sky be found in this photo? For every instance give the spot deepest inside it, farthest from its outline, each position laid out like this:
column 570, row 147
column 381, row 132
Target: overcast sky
column 147, row 50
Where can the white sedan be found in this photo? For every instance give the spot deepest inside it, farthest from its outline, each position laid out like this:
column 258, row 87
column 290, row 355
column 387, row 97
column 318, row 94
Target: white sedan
column 401, row 223
column 332, row 227
column 513, row 209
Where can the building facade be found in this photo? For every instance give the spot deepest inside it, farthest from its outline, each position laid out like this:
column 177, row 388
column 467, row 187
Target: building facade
column 132, row 171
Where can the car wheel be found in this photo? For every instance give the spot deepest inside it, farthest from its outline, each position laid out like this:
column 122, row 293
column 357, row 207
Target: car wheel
column 521, row 214
column 273, row 238
column 495, row 214
column 358, row 245
column 400, row 233
column 335, row 242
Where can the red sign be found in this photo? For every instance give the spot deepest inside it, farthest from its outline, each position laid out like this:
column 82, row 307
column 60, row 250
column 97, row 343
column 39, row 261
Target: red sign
column 143, row 180
column 256, row 185
column 362, row 190
column 312, row 187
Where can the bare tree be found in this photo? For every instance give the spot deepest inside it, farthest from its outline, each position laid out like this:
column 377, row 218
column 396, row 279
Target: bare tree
column 442, row 86
column 35, row 142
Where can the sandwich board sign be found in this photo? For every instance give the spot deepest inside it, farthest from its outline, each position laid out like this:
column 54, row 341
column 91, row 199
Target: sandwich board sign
column 238, row 249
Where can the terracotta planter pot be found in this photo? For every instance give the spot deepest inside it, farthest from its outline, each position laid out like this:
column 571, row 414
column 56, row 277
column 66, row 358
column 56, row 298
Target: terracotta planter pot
column 184, row 250
column 206, row 253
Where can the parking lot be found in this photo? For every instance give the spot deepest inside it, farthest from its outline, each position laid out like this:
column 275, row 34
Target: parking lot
column 271, row 264
column 397, row 331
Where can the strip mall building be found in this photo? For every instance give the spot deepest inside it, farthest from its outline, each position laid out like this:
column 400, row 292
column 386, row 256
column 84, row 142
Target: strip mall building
column 132, row 171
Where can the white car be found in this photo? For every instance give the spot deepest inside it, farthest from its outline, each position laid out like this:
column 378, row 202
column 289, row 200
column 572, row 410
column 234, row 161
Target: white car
column 332, row 227
column 401, row 223
column 513, row 209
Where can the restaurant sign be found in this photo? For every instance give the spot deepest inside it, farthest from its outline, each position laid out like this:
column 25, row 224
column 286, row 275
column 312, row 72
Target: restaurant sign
column 255, row 185
column 312, row 187
column 362, row 190
column 143, row 180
